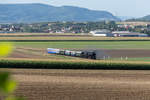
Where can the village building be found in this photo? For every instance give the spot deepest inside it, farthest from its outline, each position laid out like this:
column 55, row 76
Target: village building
column 128, row 34
column 102, row 33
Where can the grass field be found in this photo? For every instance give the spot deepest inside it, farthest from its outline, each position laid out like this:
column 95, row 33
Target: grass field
column 87, row 44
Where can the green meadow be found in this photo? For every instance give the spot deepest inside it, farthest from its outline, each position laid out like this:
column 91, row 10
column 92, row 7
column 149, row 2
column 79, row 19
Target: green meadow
column 87, row 44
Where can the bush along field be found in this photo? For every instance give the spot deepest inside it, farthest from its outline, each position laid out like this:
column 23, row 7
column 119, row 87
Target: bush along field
column 74, row 65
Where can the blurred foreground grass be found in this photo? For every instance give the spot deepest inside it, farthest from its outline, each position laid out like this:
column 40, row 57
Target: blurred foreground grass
column 7, row 84
column 5, row 49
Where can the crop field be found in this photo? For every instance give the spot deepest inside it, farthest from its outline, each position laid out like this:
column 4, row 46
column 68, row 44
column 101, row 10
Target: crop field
column 87, row 44
column 134, row 50
column 134, row 23
column 66, row 37
column 82, row 84
column 124, row 76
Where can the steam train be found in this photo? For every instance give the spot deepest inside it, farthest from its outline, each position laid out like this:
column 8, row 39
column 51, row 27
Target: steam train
column 90, row 54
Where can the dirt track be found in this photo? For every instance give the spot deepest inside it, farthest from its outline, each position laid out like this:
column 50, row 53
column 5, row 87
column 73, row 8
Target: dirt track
column 82, row 84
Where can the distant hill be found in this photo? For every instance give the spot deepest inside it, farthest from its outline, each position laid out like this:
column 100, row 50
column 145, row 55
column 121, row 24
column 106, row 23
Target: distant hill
column 145, row 18
column 17, row 13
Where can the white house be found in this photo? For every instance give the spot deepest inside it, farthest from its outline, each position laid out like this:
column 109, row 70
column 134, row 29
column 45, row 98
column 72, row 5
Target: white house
column 102, row 33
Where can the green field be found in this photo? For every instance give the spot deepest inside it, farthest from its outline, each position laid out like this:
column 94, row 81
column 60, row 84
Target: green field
column 87, row 44
column 75, row 64
column 35, row 47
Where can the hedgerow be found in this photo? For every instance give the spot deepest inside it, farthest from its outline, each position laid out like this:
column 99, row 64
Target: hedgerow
column 72, row 65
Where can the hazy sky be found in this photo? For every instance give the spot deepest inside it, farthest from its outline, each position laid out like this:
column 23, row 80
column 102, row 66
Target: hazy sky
column 133, row 8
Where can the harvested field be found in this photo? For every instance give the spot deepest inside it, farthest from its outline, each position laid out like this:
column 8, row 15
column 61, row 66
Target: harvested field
column 134, row 23
column 82, row 84
column 41, row 35
column 68, row 37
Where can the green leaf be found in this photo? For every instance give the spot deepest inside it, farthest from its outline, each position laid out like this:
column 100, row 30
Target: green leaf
column 4, row 76
column 6, row 84
column 10, row 86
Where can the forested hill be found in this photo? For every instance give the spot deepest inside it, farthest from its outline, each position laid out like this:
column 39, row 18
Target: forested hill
column 17, row 13
column 145, row 18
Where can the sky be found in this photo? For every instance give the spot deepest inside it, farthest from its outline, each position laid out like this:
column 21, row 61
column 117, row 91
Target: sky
column 131, row 8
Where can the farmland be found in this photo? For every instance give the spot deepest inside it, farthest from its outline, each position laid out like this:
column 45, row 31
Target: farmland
column 115, row 49
column 82, row 84
column 43, row 37
column 87, row 44
column 43, row 76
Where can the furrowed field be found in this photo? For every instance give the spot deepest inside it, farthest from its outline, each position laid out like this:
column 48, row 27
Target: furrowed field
column 41, row 76
column 134, row 50
column 33, row 46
